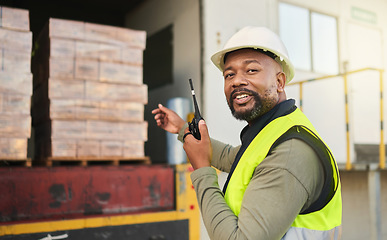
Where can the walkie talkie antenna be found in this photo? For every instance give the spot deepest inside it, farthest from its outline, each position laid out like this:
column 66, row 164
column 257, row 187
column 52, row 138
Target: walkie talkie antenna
column 197, row 112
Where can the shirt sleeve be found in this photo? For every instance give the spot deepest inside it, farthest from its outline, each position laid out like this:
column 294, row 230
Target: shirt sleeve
column 223, row 155
column 286, row 181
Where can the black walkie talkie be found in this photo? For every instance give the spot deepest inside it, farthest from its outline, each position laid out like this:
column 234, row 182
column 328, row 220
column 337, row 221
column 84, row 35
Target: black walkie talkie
column 193, row 126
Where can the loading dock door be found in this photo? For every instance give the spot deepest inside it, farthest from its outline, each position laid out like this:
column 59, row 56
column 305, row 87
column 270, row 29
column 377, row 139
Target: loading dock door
column 364, row 50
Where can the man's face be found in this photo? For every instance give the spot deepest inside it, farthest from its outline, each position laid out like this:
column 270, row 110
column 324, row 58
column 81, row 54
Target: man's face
column 252, row 83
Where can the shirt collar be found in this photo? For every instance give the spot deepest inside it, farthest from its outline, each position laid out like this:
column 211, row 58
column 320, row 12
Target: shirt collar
column 248, row 133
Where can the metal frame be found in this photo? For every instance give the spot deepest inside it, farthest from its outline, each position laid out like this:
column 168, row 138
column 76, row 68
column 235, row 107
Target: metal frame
column 382, row 155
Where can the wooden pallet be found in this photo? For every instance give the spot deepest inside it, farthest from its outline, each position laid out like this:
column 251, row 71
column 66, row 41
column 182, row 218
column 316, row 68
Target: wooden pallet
column 87, row 161
column 10, row 162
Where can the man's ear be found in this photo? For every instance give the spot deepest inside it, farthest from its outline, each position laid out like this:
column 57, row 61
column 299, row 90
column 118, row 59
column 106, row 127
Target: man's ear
column 281, row 81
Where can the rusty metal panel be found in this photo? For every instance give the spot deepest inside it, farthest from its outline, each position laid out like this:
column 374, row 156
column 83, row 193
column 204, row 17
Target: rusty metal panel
column 71, row 192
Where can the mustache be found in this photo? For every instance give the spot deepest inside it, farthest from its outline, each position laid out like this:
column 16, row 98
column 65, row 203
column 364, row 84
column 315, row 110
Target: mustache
column 242, row 90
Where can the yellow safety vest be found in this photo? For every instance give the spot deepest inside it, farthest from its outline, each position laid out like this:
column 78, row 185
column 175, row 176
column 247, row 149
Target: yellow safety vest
column 322, row 224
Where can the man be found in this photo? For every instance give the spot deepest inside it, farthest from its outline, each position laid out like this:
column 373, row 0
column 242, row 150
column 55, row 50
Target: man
column 283, row 181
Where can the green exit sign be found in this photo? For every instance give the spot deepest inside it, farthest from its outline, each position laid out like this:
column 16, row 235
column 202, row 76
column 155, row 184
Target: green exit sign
column 363, row 15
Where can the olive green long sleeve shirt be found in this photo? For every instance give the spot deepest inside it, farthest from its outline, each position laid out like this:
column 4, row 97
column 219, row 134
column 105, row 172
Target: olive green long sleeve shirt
column 286, row 182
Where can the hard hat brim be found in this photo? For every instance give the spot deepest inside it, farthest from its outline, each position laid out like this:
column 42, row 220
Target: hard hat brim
column 287, row 66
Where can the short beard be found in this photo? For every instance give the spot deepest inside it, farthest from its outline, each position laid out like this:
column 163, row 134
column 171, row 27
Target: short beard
column 260, row 106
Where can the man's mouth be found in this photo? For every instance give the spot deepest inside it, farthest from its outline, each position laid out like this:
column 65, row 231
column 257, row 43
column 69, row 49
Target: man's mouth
column 241, row 98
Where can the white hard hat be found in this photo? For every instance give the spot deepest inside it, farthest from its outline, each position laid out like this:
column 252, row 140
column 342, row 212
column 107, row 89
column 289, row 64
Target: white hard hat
column 257, row 38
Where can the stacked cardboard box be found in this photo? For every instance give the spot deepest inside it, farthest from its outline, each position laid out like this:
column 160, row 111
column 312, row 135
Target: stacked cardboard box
column 89, row 94
column 15, row 83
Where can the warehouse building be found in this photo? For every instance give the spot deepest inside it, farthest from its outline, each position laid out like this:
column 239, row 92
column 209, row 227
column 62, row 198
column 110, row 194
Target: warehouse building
column 141, row 53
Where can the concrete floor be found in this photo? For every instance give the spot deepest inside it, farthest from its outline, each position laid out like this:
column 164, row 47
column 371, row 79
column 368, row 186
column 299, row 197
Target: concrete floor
column 357, row 214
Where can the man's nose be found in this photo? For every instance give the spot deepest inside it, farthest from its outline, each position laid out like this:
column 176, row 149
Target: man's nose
column 239, row 80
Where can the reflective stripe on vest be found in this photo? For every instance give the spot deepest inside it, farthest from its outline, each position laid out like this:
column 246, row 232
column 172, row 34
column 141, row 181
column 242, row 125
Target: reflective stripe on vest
column 324, row 222
column 308, row 234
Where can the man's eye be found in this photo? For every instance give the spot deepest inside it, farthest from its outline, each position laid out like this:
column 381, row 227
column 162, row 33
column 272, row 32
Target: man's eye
column 228, row 75
column 252, row 70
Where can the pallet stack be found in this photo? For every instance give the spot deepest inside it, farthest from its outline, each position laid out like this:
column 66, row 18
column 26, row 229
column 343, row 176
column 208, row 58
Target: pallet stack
column 89, row 96
column 15, row 84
